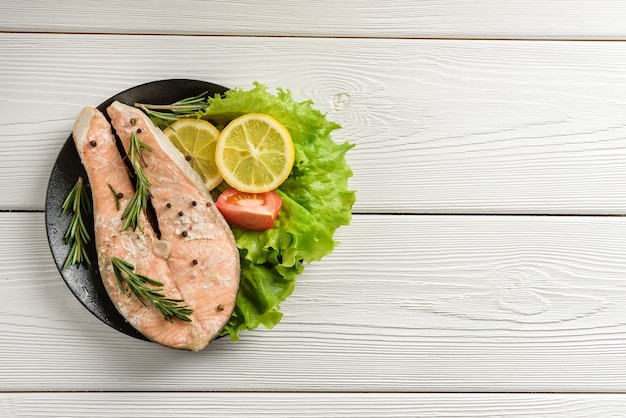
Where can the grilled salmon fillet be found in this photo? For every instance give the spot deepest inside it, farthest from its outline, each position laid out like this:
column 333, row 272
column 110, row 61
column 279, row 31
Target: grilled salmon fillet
column 193, row 252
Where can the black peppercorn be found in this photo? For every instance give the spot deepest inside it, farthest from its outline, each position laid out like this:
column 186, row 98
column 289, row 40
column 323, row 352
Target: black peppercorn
column 195, row 262
column 93, row 143
column 180, row 214
column 120, row 195
column 138, row 130
column 184, row 234
column 133, row 121
column 194, row 203
column 169, row 205
column 188, row 157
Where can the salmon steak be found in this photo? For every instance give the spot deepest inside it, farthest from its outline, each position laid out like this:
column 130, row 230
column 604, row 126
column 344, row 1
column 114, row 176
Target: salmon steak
column 189, row 248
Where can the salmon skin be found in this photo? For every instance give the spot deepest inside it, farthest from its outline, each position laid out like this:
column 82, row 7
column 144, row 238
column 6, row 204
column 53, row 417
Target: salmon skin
column 193, row 252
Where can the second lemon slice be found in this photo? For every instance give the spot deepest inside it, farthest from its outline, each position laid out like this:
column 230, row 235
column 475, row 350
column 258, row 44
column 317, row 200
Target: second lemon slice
column 197, row 139
column 254, row 153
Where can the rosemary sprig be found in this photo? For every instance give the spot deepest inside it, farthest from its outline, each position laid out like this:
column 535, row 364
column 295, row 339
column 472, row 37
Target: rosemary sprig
column 164, row 114
column 139, row 286
column 139, row 201
column 76, row 235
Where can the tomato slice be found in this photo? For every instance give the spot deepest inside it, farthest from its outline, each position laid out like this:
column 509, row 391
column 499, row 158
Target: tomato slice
column 251, row 211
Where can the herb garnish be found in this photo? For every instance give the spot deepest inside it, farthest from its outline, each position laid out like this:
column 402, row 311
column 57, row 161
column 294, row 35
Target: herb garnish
column 188, row 107
column 76, row 235
column 138, row 285
column 139, row 201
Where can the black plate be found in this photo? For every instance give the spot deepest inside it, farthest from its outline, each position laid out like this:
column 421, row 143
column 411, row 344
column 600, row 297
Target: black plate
column 84, row 283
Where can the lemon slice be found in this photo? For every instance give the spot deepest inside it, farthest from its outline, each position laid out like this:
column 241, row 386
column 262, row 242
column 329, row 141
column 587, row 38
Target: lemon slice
column 196, row 139
column 254, row 153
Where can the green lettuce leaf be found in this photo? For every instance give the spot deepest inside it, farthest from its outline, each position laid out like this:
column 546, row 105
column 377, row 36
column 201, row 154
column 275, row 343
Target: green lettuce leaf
column 316, row 202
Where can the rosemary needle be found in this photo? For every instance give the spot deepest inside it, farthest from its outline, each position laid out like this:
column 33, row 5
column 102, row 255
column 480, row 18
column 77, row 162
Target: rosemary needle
column 76, row 235
column 116, row 195
column 139, row 286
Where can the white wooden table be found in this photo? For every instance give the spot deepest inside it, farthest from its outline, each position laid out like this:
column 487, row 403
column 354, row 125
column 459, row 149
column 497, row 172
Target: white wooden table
column 484, row 273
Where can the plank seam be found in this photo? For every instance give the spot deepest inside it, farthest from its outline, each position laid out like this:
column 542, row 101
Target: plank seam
column 408, row 38
column 455, row 392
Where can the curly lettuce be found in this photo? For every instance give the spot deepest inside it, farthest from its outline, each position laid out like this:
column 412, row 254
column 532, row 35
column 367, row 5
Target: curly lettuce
column 316, row 202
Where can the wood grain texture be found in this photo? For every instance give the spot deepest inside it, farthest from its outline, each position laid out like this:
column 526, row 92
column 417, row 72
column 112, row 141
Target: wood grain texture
column 456, row 107
column 439, row 126
column 313, row 405
column 510, row 19
column 405, row 303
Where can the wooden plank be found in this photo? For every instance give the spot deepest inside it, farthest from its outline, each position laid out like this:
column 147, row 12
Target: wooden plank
column 300, row 405
column 405, row 303
column 510, row 19
column 439, row 126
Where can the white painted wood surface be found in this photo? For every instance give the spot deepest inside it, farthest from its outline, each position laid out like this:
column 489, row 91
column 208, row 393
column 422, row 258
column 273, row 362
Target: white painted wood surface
column 405, row 303
column 450, row 126
column 312, row 405
column 466, row 116
column 468, row 19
